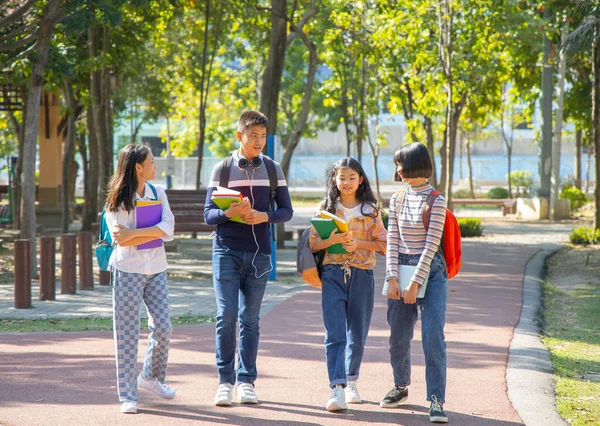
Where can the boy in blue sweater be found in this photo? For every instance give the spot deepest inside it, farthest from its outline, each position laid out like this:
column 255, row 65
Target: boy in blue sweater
column 242, row 256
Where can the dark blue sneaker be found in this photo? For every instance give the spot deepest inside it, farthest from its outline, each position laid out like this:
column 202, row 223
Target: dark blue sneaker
column 436, row 411
column 394, row 397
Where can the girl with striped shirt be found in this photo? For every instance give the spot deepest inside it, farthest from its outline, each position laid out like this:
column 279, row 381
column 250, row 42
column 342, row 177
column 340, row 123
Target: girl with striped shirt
column 410, row 243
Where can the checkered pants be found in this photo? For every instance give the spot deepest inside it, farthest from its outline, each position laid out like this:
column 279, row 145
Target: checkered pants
column 128, row 291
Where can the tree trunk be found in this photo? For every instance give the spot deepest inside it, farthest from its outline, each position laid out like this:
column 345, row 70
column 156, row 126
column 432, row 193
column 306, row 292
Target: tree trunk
column 451, row 149
column 296, row 135
column 98, row 116
column 509, row 154
column 88, row 215
column 205, row 74
column 428, row 125
column 587, row 169
column 555, row 179
column 106, row 100
column 34, row 92
column 271, row 84
column 470, row 166
column 94, row 165
column 547, row 99
column 18, row 129
column 596, row 124
column 68, row 152
column 577, row 171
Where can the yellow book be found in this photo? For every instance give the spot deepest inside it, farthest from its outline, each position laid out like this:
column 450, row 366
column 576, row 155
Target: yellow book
column 341, row 224
column 147, row 203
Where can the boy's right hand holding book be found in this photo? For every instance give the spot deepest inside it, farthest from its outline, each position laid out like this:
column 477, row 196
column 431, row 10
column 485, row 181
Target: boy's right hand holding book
column 239, row 209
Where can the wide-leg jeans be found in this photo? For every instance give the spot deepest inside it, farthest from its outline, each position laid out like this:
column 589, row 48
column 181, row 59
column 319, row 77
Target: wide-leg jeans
column 402, row 318
column 347, row 303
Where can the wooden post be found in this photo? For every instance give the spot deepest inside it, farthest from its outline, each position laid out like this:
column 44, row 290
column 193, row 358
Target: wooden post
column 104, row 278
column 47, row 268
column 86, row 271
column 68, row 250
column 22, row 274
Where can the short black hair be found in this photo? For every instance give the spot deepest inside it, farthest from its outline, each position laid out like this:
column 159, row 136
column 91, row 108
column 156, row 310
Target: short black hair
column 415, row 161
column 251, row 118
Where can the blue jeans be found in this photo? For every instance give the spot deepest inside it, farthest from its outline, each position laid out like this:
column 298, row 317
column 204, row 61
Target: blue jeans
column 402, row 318
column 238, row 293
column 347, row 310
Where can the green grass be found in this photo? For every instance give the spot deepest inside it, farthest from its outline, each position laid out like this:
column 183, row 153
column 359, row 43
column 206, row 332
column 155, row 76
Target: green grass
column 306, row 201
column 82, row 324
column 571, row 331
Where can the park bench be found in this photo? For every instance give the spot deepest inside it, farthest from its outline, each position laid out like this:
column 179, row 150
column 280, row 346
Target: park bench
column 508, row 206
column 187, row 206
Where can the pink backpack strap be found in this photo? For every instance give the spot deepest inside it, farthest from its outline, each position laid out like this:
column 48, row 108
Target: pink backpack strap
column 399, row 200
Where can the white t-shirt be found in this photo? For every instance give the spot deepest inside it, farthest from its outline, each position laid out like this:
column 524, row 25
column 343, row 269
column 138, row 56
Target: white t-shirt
column 351, row 213
column 130, row 259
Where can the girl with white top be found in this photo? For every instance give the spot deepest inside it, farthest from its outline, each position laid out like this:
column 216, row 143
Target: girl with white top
column 348, row 284
column 410, row 243
column 138, row 275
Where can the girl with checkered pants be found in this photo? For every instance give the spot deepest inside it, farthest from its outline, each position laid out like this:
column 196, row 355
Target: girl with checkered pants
column 139, row 275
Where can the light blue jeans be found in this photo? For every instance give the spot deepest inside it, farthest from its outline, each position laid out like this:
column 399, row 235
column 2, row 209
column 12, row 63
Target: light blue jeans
column 402, row 318
column 238, row 293
column 347, row 310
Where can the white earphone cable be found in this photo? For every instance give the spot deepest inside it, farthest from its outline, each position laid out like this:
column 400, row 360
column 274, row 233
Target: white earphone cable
column 254, row 234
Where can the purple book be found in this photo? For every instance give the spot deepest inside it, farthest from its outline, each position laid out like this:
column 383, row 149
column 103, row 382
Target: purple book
column 147, row 216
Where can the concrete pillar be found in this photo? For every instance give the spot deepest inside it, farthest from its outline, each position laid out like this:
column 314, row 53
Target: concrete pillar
column 50, row 168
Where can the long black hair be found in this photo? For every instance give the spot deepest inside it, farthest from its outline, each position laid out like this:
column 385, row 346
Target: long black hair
column 124, row 183
column 364, row 194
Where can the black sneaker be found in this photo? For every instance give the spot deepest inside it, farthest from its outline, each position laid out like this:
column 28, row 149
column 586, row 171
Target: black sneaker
column 436, row 412
column 394, row 397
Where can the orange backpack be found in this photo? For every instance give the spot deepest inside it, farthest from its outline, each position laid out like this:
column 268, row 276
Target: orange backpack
column 450, row 244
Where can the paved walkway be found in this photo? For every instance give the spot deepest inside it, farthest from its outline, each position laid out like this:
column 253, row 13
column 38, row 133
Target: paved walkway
column 69, row 378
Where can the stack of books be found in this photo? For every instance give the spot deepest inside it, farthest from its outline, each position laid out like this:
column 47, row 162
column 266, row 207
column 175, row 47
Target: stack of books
column 147, row 214
column 325, row 224
column 223, row 197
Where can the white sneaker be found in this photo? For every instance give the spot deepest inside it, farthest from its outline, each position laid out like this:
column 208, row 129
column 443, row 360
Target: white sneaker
column 337, row 402
column 351, row 391
column 224, row 395
column 246, row 394
column 129, row 407
column 156, row 387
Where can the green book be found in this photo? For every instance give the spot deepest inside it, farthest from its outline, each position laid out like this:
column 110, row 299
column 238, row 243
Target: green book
column 324, row 228
column 223, row 199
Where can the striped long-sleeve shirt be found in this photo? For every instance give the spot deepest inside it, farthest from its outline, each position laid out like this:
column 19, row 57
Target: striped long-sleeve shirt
column 407, row 233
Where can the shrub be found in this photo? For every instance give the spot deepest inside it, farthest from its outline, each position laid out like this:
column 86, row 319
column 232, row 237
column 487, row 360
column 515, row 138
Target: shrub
column 470, row 227
column 462, row 193
column 497, row 193
column 522, row 180
column 585, row 236
column 576, row 196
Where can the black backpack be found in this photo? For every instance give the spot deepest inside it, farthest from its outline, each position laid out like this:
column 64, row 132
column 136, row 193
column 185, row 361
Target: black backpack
column 271, row 171
column 309, row 265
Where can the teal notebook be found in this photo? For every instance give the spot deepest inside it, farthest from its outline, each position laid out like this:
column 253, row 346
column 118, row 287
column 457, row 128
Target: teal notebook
column 324, row 228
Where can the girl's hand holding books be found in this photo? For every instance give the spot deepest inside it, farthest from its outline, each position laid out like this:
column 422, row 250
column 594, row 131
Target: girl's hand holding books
column 122, row 234
column 340, row 238
column 393, row 289
column 410, row 294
